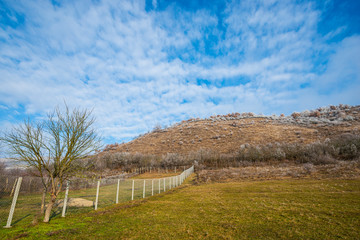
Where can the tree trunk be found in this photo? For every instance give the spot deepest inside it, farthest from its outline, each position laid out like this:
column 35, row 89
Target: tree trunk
column 49, row 208
column 43, row 202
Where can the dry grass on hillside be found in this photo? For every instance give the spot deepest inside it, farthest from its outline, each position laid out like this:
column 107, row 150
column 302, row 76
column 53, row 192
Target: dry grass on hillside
column 227, row 134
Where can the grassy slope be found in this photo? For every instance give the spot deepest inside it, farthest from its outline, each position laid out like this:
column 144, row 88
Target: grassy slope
column 296, row 209
column 226, row 136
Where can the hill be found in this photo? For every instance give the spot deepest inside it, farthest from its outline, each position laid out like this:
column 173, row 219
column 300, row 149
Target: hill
column 226, row 133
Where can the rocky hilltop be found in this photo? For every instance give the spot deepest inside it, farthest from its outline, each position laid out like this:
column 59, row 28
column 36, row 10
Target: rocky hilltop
column 227, row 133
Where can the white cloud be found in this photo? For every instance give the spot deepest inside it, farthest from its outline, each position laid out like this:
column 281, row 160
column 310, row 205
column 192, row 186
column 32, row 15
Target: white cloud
column 138, row 68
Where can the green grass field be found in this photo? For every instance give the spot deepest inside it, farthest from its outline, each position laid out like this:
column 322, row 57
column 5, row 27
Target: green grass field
column 283, row 209
column 28, row 205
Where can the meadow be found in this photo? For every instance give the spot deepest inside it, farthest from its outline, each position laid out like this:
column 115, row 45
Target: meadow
column 272, row 209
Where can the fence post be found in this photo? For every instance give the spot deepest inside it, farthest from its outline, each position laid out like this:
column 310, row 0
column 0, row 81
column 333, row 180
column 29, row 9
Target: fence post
column 30, row 184
column 65, row 199
column 97, row 194
column 6, row 184
column 144, row 189
column 13, row 204
column 132, row 191
column 159, row 186
column 117, row 192
column 164, row 185
column 170, row 184
column 152, row 186
column 13, row 188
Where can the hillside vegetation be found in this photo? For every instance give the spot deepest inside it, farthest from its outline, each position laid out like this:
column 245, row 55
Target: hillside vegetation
column 225, row 134
column 322, row 136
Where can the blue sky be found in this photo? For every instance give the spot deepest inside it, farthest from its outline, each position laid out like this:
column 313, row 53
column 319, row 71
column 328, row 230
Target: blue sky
column 143, row 63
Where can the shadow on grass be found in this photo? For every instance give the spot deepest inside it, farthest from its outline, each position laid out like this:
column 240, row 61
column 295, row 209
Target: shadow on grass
column 20, row 219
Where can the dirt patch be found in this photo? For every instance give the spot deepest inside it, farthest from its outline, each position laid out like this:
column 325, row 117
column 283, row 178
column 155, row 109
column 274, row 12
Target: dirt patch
column 75, row 202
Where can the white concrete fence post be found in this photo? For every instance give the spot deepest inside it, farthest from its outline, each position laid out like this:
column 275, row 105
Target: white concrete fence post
column 152, row 186
column 117, row 192
column 13, row 204
column 97, row 194
column 144, row 189
column 159, row 186
column 14, row 186
column 65, row 199
column 164, row 185
column 132, row 191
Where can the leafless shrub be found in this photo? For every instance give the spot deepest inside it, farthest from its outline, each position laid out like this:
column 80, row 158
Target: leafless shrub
column 295, row 115
column 315, row 114
column 157, row 128
column 343, row 169
column 346, row 146
column 308, row 167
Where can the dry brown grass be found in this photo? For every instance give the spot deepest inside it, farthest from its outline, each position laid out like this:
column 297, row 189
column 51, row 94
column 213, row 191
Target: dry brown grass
column 263, row 171
column 226, row 136
column 153, row 175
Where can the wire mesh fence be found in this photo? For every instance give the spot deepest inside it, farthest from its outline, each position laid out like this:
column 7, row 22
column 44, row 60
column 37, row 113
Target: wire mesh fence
column 83, row 195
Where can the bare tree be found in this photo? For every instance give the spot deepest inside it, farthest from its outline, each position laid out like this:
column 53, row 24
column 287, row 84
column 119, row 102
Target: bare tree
column 54, row 147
